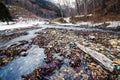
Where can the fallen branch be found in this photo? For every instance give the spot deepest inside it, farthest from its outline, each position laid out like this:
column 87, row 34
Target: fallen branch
column 102, row 59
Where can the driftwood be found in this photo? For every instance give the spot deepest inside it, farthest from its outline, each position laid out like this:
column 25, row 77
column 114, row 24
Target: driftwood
column 99, row 57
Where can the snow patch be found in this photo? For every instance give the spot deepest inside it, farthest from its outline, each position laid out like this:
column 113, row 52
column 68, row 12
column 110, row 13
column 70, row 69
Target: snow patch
column 21, row 24
column 113, row 23
column 84, row 15
column 67, row 19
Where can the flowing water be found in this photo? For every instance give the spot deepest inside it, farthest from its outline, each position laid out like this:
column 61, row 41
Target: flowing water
column 24, row 65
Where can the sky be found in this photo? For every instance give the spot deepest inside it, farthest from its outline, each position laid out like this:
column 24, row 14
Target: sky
column 62, row 3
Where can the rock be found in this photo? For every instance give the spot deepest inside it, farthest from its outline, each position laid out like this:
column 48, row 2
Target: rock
column 84, row 77
column 102, row 48
column 72, row 45
column 117, row 61
column 113, row 42
column 5, row 60
column 117, row 69
column 91, row 37
column 23, row 42
column 62, row 75
column 92, row 64
column 118, row 56
column 23, row 54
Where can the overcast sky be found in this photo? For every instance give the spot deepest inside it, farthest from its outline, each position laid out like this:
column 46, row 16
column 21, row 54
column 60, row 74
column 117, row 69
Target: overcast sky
column 61, row 2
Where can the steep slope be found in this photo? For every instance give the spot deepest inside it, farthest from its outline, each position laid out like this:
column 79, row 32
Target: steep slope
column 19, row 12
column 42, row 8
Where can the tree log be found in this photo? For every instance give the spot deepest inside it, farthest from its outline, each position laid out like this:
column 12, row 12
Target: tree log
column 98, row 57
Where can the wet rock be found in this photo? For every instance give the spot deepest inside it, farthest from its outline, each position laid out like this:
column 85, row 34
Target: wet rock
column 8, row 37
column 42, row 71
column 23, row 54
column 5, row 60
column 72, row 45
column 23, row 42
column 37, row 76
column 49, row 58
column 10, row 53
column 65, row 73
column 75, row 62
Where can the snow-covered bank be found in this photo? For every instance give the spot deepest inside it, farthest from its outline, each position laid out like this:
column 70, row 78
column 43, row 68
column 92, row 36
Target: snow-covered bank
column 83, row 15
column 106, row 24
column 113, row 23
column 30, row 23
column 21, row 24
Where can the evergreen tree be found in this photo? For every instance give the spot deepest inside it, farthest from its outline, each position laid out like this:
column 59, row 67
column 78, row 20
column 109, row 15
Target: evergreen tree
column 4, row 13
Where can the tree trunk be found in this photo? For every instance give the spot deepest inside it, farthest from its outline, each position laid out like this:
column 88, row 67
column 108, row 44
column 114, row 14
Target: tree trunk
column 85, row 9
column 94, row 7
column 78, row 6
column 61, row 12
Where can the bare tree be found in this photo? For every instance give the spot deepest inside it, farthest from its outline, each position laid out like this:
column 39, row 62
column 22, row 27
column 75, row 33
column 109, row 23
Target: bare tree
column 67, row 6
column 61, row 12
column 117, row 5
column 94, row 9
column 85, row 8
column 78, row 6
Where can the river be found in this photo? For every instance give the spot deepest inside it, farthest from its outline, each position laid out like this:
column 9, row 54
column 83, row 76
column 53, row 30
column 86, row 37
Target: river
column 24, row 65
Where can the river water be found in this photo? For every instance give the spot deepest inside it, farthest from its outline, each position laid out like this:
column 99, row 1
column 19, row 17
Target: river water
column 24, row 65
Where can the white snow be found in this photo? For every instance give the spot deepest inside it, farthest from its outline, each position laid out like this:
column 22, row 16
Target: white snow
column 90, row 24
column 89, row 14
column 67, row 19
column 84, row 23
column 113, row 23
column 62, row 2
column 83, row 15
column 21, row 24
column 79, row 16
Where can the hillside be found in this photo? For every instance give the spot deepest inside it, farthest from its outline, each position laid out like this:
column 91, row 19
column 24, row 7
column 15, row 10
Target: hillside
column 41, row 8
column 101, row 10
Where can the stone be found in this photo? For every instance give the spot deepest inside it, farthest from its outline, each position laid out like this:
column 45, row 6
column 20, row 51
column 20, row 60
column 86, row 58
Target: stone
column 91, row 37
column 117, row 61
column 23, row 54
column 5, row 60
column 113, row 42
column 62, row 75
column 102, row 48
